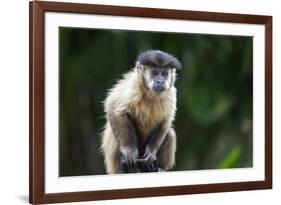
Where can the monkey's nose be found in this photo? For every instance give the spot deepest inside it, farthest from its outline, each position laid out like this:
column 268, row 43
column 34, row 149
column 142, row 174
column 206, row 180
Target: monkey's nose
column 160, row 82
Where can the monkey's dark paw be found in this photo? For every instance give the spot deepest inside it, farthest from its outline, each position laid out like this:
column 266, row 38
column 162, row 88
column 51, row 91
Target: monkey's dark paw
column 148, row 162
column 128, row 162
column 148, row 157
column 148, row 167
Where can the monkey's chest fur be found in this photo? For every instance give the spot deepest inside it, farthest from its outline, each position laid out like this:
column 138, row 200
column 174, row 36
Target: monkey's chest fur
column 148, row 114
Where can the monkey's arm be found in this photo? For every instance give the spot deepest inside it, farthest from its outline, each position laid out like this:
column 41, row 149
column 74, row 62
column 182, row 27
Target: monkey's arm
column 124, row 130
column 154, row 142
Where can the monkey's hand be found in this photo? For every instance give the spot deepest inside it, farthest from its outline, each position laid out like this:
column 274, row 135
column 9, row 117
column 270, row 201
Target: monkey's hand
column 128, row 159
column 148, row 162
column 149, row 156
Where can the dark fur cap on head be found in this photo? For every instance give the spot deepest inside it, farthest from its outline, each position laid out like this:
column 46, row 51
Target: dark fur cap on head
column 157, row 58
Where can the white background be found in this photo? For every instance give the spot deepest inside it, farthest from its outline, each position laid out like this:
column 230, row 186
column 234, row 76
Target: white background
column 14, row 101
column 87, row 183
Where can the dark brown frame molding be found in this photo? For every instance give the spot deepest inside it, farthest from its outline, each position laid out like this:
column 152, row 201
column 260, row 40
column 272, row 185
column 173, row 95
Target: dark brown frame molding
column 37, row 10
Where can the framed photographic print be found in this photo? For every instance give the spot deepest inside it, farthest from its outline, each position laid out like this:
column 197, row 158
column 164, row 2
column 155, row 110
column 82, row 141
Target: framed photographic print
column 138, row 102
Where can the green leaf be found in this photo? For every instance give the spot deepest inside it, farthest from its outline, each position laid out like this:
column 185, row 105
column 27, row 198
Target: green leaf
column 232, row 159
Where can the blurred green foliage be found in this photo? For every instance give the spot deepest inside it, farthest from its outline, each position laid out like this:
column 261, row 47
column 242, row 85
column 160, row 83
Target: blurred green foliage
column 214, row 108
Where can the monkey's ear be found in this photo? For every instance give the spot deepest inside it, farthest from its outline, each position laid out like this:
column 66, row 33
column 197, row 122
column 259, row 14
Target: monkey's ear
column 173, row 77
column 139, row 66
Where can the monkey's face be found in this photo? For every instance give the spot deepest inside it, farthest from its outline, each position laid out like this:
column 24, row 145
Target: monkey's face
column 159, row 79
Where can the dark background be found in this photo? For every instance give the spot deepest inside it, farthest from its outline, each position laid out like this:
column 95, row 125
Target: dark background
column 214, row 117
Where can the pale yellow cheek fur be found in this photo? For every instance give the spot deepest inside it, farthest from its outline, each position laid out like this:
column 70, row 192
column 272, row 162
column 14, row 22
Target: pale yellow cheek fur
column 130, row 95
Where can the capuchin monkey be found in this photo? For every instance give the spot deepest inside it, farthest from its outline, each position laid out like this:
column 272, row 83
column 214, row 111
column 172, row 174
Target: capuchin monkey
column 140, row 109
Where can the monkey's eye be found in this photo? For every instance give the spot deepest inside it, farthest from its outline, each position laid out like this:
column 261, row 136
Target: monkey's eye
column 154, row 72
column 164, row 73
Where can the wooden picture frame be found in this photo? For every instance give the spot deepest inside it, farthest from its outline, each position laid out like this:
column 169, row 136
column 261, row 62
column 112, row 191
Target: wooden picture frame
column 37, row 10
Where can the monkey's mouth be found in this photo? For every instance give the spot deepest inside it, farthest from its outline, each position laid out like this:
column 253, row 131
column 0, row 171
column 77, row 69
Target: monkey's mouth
column 159, row 89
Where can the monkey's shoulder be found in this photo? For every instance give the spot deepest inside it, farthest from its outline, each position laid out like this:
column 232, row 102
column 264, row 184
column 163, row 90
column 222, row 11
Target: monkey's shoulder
column 120, row 94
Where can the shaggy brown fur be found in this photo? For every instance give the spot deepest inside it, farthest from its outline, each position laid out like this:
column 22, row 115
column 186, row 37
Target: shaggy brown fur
column 138, row 119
